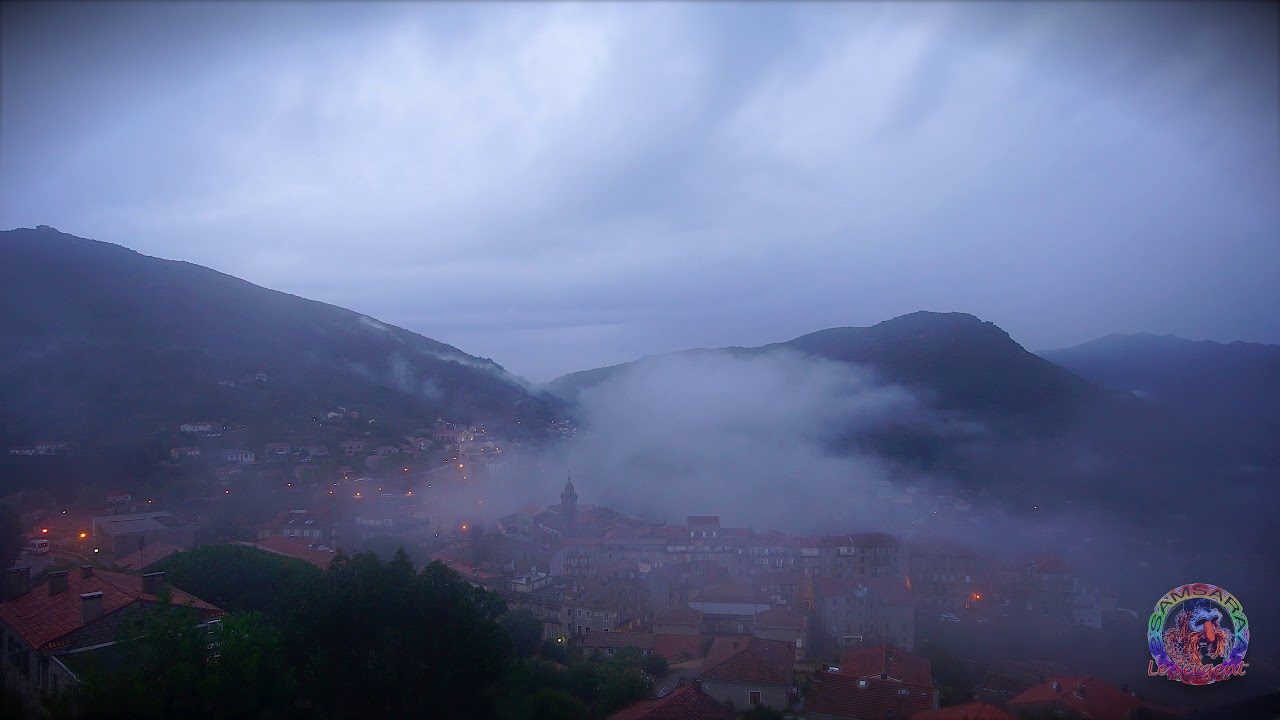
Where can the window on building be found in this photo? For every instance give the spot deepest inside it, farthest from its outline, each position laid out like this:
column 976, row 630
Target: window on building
column 755, row 697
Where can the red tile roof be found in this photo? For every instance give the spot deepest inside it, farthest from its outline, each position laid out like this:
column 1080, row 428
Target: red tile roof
column 1086, row 695
column 43, row 620
column 684, row 703
column 848, row 696
column 749, row 659
column 602, row 639
column 670, row 647
column 780, row 618
column 895, row 663
column 976, row 710
column 296, row 547
column 674, row 647
column 678, row 616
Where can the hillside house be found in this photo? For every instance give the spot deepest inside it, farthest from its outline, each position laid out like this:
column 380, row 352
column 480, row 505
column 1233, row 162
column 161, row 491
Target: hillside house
column 118, row 497
column 317, row 525
column 313, row 452
column 184, row 453
column 51, row 447
column 202, row 428
column 239, row 457
column 351, row 448
column 276, row 451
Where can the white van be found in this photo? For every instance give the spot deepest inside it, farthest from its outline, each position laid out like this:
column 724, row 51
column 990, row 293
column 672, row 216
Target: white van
column 37, row 547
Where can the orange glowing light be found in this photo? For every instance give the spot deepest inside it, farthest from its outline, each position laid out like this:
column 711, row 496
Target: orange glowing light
column 84, row 535
column 459, row 464
column 44, row 530
column 464, row 527
column 976, row 596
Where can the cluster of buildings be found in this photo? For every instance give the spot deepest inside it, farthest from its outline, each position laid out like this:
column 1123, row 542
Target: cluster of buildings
column 472, row 442
column 734, row 598
column 44, row 447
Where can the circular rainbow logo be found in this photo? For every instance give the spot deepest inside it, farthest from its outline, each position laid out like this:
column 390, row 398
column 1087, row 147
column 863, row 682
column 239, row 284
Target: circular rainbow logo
column 1198, row 635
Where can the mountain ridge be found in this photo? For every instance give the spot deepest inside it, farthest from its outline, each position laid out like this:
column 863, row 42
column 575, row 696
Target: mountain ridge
column 89, row 304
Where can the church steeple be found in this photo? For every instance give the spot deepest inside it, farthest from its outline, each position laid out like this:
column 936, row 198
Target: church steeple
column 569, row 502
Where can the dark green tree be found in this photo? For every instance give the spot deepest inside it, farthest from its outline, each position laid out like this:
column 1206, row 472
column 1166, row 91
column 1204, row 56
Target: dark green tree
column 554, row 704
column 525, row 630
column 654, row 665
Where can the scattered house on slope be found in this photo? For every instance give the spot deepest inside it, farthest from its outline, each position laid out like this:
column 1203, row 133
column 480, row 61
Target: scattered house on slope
column 313, row 452
column 316, row 525
column 118, row 497
column 184, row 453
column 743, row 672
column 240, row 457
column 51, row 447
column 44, row 630
column 351, row 448
column 276, row 451
column 202, row 428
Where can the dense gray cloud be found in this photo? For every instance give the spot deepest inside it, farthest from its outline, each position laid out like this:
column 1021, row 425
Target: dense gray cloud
column 560, row 186
column 744, row 438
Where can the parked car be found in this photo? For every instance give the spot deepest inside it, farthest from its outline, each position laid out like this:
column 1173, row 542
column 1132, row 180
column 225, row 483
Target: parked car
column 949, row 618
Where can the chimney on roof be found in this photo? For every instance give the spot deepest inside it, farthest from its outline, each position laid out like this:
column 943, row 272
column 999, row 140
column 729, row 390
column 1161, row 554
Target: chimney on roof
column 152, row 583
column 57, row 582
column 17, row 582
column 90, row 607
column 86, row 571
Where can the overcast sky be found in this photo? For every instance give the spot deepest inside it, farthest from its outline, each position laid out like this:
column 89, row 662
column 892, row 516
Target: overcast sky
column 562, row 186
